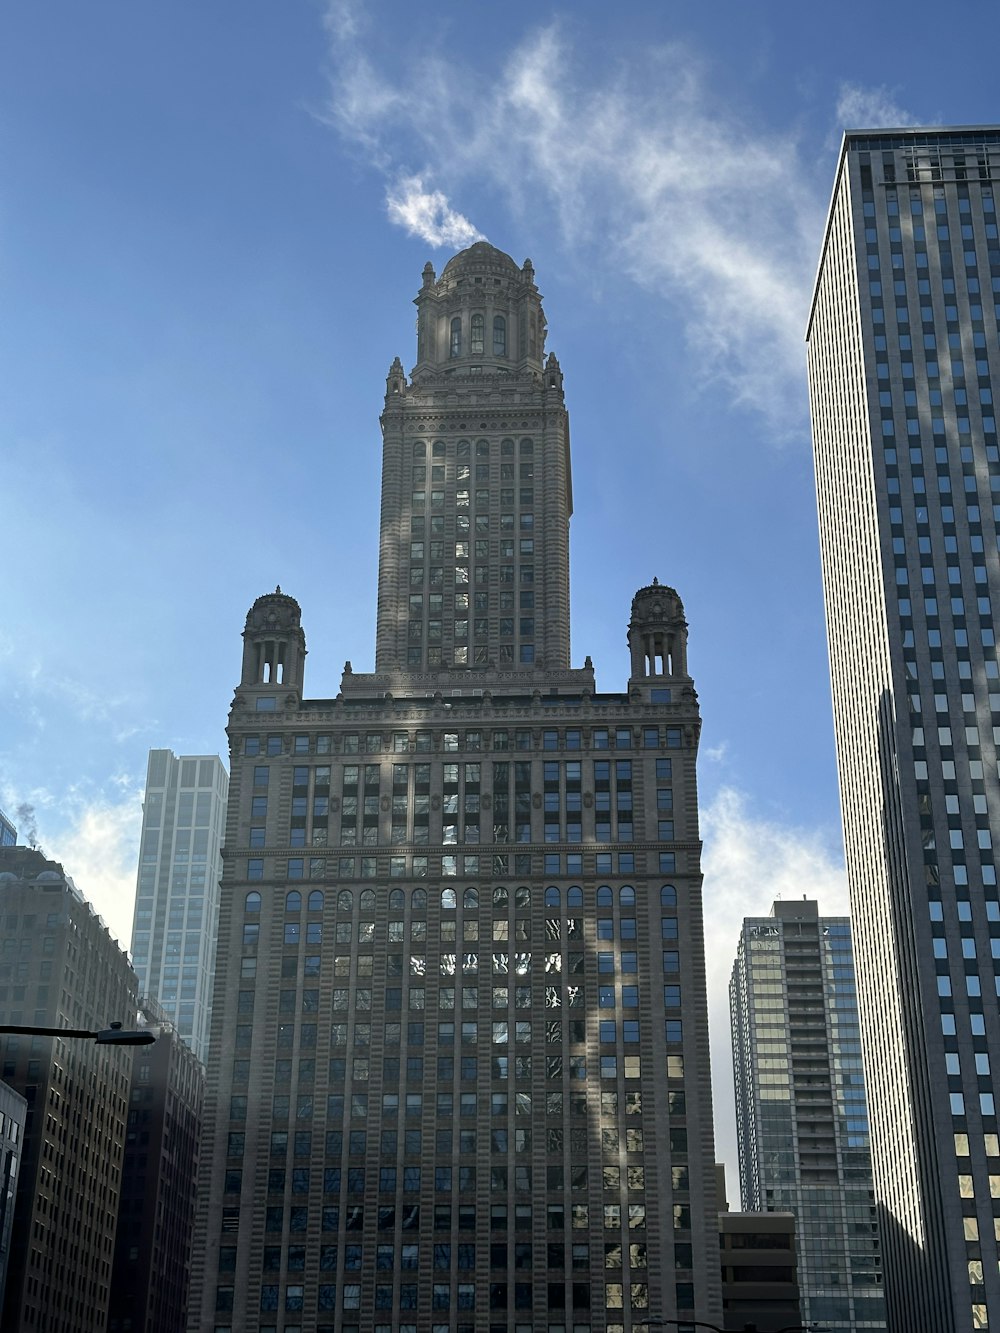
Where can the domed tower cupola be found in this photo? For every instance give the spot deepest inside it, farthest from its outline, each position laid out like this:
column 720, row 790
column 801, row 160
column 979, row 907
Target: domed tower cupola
column 657, row 634
column 274, row 645
column 483, row 316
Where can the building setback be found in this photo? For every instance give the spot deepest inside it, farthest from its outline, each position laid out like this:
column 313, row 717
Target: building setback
column 175, row 925
column 459, row 1071
column 801, row 1120
column 152, row 1268
column 904, row 366
column 59, row 967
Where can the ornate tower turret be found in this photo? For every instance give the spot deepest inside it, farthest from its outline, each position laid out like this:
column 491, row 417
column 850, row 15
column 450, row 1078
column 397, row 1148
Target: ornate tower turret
column 274, row 645
column 482, row 316
column 657, row 634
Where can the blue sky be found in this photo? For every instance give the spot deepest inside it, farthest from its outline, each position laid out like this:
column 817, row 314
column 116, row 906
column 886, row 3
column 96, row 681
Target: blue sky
column 213, row 219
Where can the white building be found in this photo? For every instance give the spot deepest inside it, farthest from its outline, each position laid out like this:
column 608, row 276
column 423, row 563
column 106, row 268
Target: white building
column 904, row 365
column 177, row 895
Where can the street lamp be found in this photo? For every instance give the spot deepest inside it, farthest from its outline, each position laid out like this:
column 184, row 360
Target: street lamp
column 682, row 1325
column 115, row 1035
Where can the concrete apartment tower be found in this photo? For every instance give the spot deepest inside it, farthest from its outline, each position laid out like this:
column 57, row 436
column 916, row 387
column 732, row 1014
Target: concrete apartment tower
column 177, row 893
column 459, row 1074
column 59, row 967
column 904, row 366
column 801, row 1119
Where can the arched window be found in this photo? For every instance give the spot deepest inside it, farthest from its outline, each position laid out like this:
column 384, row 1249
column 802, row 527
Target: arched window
column 499, row 336
column 418, row 900
column 420, row 449
column 477, row 336
column 605, row 898
column 397, row 899
column 456, row 336
column 252, row 903
column 345, row 900
column 463, row 449
column 668, row 896
column 470, row 898
column 552, row 896
column 522, row 896
column 574, row 897
column 438, row 449
column 449, row 899
column 293, row 901
column 316, row 900
column 368, row 900
column 500, row 896
column 626, row 896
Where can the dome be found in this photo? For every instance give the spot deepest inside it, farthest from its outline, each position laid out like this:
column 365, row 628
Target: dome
column 482, row 256
column 274, row 610
column 658, row 596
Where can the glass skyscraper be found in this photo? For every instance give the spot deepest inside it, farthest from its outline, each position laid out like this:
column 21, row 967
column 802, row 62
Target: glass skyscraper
column 801, row 1120
column 459, row 1059
column 904, row 366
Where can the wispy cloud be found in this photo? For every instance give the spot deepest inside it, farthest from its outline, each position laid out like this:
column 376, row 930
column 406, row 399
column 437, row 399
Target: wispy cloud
column 427, row 214
column 343, row 19
column 645, row 168
column 27, row 680
column 861, row 108
column 749, row 862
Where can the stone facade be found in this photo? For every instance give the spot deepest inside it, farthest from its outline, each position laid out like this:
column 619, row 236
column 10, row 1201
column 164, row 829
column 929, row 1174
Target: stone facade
column 459, row 1070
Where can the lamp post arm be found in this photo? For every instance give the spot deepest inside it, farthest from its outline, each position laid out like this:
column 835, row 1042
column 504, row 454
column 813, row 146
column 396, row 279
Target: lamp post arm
column 115, row 1035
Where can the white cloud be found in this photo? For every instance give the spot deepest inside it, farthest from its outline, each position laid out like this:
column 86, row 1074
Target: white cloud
column 645, row 171
column 748, row 863
column 870, row 109
column 427, row 214
column 96, row 840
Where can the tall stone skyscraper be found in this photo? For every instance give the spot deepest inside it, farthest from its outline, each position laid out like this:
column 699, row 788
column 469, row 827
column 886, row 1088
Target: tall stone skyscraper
column 801, row 1120
column 459, row 1072
column 904, row 367
column 177, row 892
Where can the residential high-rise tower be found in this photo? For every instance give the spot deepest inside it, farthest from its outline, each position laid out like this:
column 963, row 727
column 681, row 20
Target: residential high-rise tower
column 177, row 894
column 801, row 1120
column 59, row 967
column 459, row 1070
column 904, row 366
